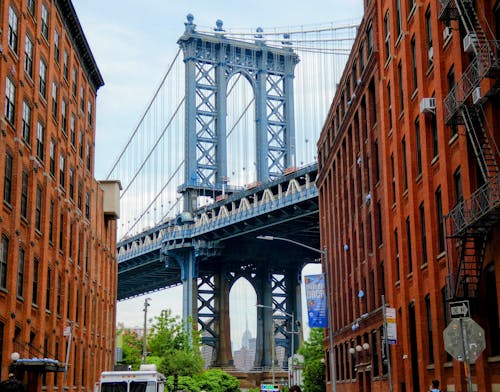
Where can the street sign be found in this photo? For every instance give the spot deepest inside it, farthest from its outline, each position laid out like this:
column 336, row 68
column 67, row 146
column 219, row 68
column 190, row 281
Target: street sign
column 464, row 339
column 392, row 332
column 459, row 309
column 269, row 387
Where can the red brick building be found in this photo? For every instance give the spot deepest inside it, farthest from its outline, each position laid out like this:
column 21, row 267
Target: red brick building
column 58, row 271
column 410, row 193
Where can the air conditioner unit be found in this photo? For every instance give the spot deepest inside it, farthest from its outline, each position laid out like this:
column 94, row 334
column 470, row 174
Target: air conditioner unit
column 446, row 33
column 428, row 105
column 469, row 42
column 476, row 96
column 430, row 53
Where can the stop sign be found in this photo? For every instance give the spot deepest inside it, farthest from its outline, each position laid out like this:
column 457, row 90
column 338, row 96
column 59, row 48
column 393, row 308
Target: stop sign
column 464, row 339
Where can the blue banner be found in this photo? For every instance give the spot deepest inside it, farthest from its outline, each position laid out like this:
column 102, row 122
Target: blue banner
column 316, row 301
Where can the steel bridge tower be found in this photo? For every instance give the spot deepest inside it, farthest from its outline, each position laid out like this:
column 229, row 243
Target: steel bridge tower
column 210, row 62
column 208, row 272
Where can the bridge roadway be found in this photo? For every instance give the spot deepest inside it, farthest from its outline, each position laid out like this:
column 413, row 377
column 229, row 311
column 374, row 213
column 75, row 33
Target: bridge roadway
column 224, row 232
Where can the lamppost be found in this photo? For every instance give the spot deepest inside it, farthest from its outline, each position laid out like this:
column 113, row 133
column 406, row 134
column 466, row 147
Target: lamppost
column 324, row 253
column 144, row 336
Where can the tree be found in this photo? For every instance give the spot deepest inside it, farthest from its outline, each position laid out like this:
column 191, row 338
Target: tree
column 131, row 347
column 313, row 352
column 171, row 348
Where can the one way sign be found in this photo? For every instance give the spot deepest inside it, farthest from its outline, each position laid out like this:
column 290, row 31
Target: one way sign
column 459, row 309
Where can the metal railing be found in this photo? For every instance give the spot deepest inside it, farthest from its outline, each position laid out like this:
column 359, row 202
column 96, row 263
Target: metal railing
column 468, row 212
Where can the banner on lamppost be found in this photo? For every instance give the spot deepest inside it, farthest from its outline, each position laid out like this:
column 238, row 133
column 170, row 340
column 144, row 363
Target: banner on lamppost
column 316, row 301
column 392, row 332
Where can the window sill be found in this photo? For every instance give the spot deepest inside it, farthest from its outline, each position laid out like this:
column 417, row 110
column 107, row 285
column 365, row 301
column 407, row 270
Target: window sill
column 423, row 266
column 453, row 139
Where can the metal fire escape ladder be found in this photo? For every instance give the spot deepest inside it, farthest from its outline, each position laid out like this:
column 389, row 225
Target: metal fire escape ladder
column 470, row 221
column 482, row 142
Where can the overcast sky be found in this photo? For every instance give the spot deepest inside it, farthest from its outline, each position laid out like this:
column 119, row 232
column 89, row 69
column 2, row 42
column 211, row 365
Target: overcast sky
column 133, row 43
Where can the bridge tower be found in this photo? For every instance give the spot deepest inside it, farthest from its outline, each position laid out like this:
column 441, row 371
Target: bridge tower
column 210, row 61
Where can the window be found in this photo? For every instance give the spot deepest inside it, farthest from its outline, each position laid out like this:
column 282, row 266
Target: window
column 87, row 205
column 396, row 255
column 408, row 244
column 12, row 34
column 418, row 146
column 450, row 77
column 68, row 301
column 387, row 34
column 45, row 22
column 7, row 185
column 31, row 6
column 28, row 56
column 89, row 112
column 47, row 290
column 51, row 221
column 411, row 5
column 405, row 164
column 393, row 180
column 428, row 32
column 10, row 100
column 380, row 238
column 61, row 171
column 24, row 194
column 80, row 193
column 439, row 215
column 20, row 273
column 398, row 18
column 26, row 126
column 413, row 49
column 64, row 116
column 73, row 81
column 88, row 152
column 4, row 253
column 377, row 160
column 389, row 105
column 43, row 79
column 52, row 157
column 71, row 183
column 65, row 64
column 72, row 130
column 82, row 99
column 369, row 39
column 59, row 294
column 57, row 51
column 457, row 180
column 423, row 233
column 430, row 343
column 40, row 131
column 71, row 250
column 61, row 232
column 38, row 209
column 54, row 100
column 401, row 85
column 34, row 286
column 361, row 54
column 80, row 145
column 434, row 133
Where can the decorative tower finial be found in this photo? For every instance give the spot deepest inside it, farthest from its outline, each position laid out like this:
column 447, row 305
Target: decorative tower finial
column 218, row 24
column 259, row 38
column 190, row 26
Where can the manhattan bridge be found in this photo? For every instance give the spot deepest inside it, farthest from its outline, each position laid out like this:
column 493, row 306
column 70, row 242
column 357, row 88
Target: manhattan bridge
column 225, row 152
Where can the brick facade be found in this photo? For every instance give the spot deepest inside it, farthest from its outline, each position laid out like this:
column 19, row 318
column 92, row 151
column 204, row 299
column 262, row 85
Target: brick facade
column 58, row 254
column 390, row 166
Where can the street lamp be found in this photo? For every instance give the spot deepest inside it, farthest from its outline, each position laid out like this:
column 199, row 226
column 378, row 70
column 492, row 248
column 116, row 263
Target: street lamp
column 324, row 253
column 144, row 337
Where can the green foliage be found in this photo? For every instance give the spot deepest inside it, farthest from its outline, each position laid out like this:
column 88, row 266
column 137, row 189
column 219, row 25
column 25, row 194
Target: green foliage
column 213, row 380
column 132, row 348
column 171, row 348
column 314, row 371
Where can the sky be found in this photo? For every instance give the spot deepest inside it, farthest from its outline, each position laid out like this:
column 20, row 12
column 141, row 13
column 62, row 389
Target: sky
column 133, row 43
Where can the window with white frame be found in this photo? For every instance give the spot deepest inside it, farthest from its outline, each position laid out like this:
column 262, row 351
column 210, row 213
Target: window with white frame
column 12, row 35
column 10, row 100
column 45, row 22
column 28, row 56
column 26, row 127
column 57, row 51
column 40, row 131
column 42, row 73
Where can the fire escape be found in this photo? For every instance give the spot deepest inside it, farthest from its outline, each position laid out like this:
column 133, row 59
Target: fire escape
column 470, row 222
